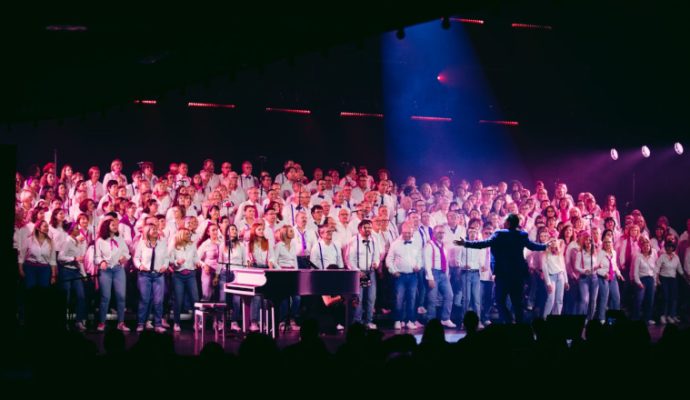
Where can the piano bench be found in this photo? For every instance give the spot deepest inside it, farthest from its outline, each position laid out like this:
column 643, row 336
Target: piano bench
column 203, row 310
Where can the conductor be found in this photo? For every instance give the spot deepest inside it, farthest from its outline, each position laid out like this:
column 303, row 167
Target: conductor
column 508, row 264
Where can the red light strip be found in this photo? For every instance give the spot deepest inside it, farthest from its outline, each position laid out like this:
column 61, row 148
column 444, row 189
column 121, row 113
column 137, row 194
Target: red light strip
column 424, row 118
column 153, row 102
column 360, row 115
column 468, row 21
column 288, row 110
column 209, row 105
column 531, row 26
column 508, row 123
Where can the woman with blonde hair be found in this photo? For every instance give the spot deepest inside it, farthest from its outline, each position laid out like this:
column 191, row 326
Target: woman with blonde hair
column 185, row 260
column 645, row 276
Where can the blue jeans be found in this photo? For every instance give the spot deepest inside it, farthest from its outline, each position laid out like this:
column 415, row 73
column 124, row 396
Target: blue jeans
column 70, row 279
column 644, row 299
column 293, row 302
column 421, row 288
column 608, row 289
column 457, row 285
column 151, row 288
column 405, row 295
column 589, row 287
column 554, row 300
column 471, row 291
column 443, row 288
column 669, row 288
column 36, row 276
column 184, row 284
column 367, row 298
column 487, row 293
column 107, row 279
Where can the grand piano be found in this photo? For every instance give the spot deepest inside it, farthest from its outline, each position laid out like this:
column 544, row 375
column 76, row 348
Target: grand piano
column 274, row 285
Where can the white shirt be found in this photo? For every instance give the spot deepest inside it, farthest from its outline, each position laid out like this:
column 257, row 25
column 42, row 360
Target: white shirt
column 286, row 256
column 432, row 259
column 454, row 258
column 438, row 218
column 144, row 253
column 644, row 266
column 188, row 253
column 553, row 264
column 669, row 267
column 290, row 211
column 70, row 250
column 237, row 256
column 240, row 210
column 357, row 195
column 604, row 260
column 323, row 255
column 473, row 259
column 584, row 261
column 110, row 176
column 317, row 198
column 305, row 241
column 94, row 191
column 359, row 256
column 403, row 257
column 247, row 181
column 111, row 250
column 259, row 255
column 342, row 235
column 35, row 252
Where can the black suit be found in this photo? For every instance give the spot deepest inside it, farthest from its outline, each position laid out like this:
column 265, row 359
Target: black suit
column 509, row 265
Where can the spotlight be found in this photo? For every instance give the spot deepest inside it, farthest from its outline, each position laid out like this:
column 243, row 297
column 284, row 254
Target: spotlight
column 400, row 34
column 646, row 152
column 678, row 148
column 445, row 23
column 614, row 154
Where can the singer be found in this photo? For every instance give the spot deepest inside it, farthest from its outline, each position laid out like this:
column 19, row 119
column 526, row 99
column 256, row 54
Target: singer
column 508, row 264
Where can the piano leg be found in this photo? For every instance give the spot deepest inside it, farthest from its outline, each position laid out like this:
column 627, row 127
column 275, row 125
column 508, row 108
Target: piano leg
column 273, row 321
column 244, row 314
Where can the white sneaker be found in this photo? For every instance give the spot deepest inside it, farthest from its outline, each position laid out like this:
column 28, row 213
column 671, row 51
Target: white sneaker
column 487, row 322
column 80, row 326
column 121, row 326
column 177, row 328
column 663, row 320
column 149, row 326
column 651, row 322
column 235, row 327
column 340, row 327
column 448, row 324
column 218, row 326
column 419, row 325
column 253, row 327
column 165, row 323
column 140, row 327
column 294, row 326
column 421, row 310
column 676, row 320
column 100, row 327
column 411, row 325
column 480, row 326
column 159, row 329
column 397, row 325
column 371, row 325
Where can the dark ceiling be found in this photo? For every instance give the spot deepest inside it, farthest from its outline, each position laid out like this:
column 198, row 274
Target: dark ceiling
column 628, row 59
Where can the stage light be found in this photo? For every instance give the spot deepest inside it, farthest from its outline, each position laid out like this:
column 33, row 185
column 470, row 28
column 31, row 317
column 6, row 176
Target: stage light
column 400, row 34
column 646, row 152
column 288, row 110
column 531, row 26
column 209, row 105
column 614, row 154
column 360, row 114
column 469, row 21
column 678, row 148
column 427, row 118
column 149, row 102
column 445, row 23
column 499, row 122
